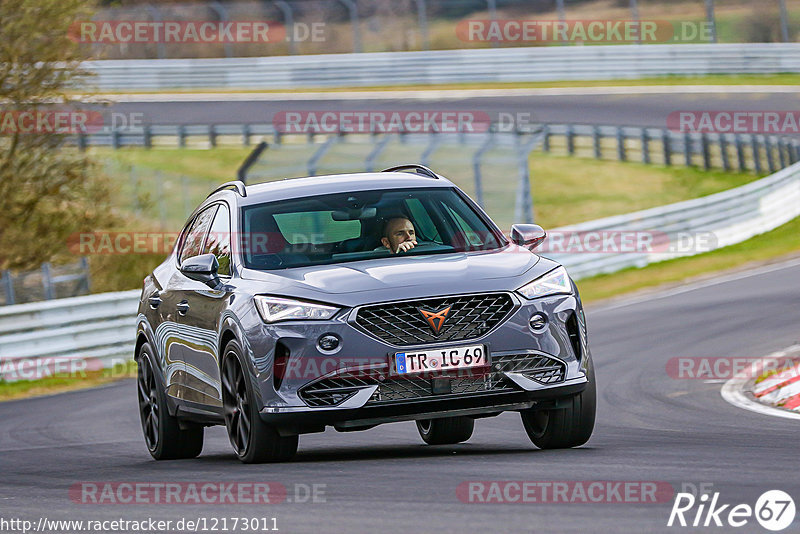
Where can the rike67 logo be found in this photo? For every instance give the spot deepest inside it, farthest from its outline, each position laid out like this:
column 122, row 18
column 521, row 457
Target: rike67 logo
column 774, row 510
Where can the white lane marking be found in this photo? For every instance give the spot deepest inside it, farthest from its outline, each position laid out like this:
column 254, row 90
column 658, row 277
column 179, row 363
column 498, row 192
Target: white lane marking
column 757, row 271
column 732, row 392
column 445, row 94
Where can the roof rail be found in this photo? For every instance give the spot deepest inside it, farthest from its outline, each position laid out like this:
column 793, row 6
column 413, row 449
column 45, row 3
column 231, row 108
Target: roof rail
column 417, row 168
column 238, row 185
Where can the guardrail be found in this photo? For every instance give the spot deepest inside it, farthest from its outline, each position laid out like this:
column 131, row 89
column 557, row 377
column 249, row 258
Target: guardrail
column 720, row 220
column 96, row 328
column 447, row 66
column 100, row 327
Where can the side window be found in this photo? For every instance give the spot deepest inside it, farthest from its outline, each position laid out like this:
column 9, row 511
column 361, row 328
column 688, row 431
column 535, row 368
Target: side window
column 219, row 240
column 473, row 239
column 194, row 238
column 426, row 228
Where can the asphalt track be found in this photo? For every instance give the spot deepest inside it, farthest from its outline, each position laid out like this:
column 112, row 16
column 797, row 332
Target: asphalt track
column 650, row 427
column 613, row 109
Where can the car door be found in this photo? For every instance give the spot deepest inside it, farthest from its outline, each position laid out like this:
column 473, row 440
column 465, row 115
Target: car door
column 171, row 333
column 200, row 322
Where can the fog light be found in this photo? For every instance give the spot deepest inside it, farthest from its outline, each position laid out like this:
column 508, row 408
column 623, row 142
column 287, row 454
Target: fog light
column 328, row 342
column 538, row 322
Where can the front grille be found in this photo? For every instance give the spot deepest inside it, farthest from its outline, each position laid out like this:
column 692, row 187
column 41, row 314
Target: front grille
column 402, row 323
column 335, row 390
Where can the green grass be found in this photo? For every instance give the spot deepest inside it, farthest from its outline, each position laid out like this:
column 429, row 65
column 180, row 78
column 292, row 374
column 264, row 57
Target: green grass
column 58, row 384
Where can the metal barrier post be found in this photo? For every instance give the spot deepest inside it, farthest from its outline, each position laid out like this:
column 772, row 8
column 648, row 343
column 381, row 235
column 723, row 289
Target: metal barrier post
column 723, row 150
column 47, row 281
column 87, row 274
column 422, row 16
column 546, row 138
column 212, row 136
column 740, row 153
column 491, row 6
column 635, row 18
column 352, row 7
column 288, row 19
column 250, row 160
column 768, row 147
column 596, row 142
column 524, row 206
column 667, row 149
column 687, row 149
column 621, row 156
column 756, row 153
column 182, row 136
column 784, row 21
column 8, row 285
column 570, row 140
column 645, row 141
column 156, row 14
column 711, row 20
column 706, row 151
column 222, row 14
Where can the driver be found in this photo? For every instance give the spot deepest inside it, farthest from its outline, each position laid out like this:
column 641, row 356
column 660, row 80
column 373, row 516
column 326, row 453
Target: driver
column 398, row 235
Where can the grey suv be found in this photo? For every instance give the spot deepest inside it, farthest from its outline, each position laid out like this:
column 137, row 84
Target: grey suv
column 354, row 300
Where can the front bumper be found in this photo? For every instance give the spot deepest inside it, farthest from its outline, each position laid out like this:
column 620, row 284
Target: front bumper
column 283, row 397
column 289, row 421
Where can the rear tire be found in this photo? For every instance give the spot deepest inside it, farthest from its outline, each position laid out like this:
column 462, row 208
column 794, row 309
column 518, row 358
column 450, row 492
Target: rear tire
column 564, row 427
column 253, row 440
column 162, row 432
column 446, row 430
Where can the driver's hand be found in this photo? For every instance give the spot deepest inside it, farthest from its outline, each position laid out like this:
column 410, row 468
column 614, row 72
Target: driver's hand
column 405, row 246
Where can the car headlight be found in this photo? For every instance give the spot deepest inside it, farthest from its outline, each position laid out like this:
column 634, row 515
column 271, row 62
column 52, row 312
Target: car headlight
column 556, row 282
column 274, row 309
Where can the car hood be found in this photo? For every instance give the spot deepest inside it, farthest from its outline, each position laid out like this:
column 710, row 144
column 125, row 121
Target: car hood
column 403, row 277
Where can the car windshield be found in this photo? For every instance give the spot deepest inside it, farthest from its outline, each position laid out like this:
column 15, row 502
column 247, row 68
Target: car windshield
column 362, row 225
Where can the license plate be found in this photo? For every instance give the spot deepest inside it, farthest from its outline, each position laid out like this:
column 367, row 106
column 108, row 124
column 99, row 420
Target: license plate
column 443, row 359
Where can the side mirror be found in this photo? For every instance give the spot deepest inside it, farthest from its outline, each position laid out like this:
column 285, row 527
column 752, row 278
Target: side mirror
column 202, row 268
column 528, row 235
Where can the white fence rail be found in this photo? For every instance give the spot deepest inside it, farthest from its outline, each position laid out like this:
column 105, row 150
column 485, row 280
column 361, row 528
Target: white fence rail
column 98, row 329
column 447, row 66
column 101, row 327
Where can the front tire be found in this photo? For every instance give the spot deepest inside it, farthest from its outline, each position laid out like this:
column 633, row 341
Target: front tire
column 446, row 430
column 162, row 432
column 564, row 427
column 253, row 440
